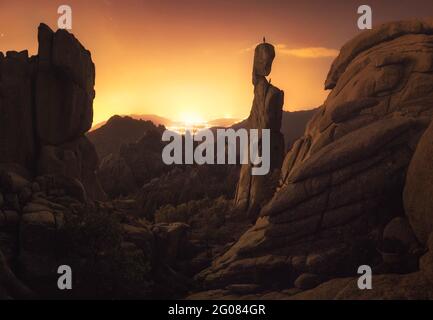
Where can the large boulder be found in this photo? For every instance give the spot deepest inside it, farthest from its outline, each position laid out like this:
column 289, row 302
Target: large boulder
column 342, row 183
column 37, row 239
column 371, row 38
column 12, row 182
column 171, row 241
column 10, row 286
column 264, row 55
column 417, row 285
column 399, row 230
column 77, row 160
column 64, row 87
column 418, row 200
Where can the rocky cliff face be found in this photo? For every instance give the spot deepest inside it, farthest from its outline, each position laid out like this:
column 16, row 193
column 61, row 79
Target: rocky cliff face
column 342, row 183
column 47, row 107
column 47, row 165
column 266, row 113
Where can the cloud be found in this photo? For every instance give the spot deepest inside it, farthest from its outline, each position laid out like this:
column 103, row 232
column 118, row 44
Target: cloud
column 305, row 53
column 308, row 52
column 247, row 50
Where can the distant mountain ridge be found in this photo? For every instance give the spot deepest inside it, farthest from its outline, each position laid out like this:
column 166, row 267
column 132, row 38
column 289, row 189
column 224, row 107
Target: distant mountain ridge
column 108, row 136
column 119, row 130
column 157, row 120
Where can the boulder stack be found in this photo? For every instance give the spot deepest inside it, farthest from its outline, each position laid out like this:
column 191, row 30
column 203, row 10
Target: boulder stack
column 266, row 113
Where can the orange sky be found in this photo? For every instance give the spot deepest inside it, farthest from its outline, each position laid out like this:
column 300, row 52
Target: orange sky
column 192, row 58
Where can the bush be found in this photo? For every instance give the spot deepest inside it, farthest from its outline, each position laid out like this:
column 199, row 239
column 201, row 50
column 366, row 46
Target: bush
column 91, row 242
column 181, row 213
column 207, row 217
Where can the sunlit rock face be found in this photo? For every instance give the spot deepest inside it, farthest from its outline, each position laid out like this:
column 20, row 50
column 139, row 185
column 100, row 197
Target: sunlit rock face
column 342, row 182
column 266, row 113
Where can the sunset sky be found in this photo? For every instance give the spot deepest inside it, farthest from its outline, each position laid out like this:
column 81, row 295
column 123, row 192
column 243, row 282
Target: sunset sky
column 191, row 59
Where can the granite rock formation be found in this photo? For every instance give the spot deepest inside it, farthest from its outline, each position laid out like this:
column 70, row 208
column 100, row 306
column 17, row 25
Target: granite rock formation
column 266, row 113
column 47, row 107
column 342, row 183
column 418, row 190
column 47, row 165
column 416, row 285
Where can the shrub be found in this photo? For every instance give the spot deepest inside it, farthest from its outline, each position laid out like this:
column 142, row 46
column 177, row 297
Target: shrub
column 91, row 243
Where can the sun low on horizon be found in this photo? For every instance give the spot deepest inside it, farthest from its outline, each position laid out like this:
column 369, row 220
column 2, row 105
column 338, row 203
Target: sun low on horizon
column 190, row 61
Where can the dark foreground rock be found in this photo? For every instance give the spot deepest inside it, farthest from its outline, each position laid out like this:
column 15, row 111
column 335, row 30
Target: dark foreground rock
column 47, row 107
column 412, row 286
column 417, row 285
column 418, row 199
